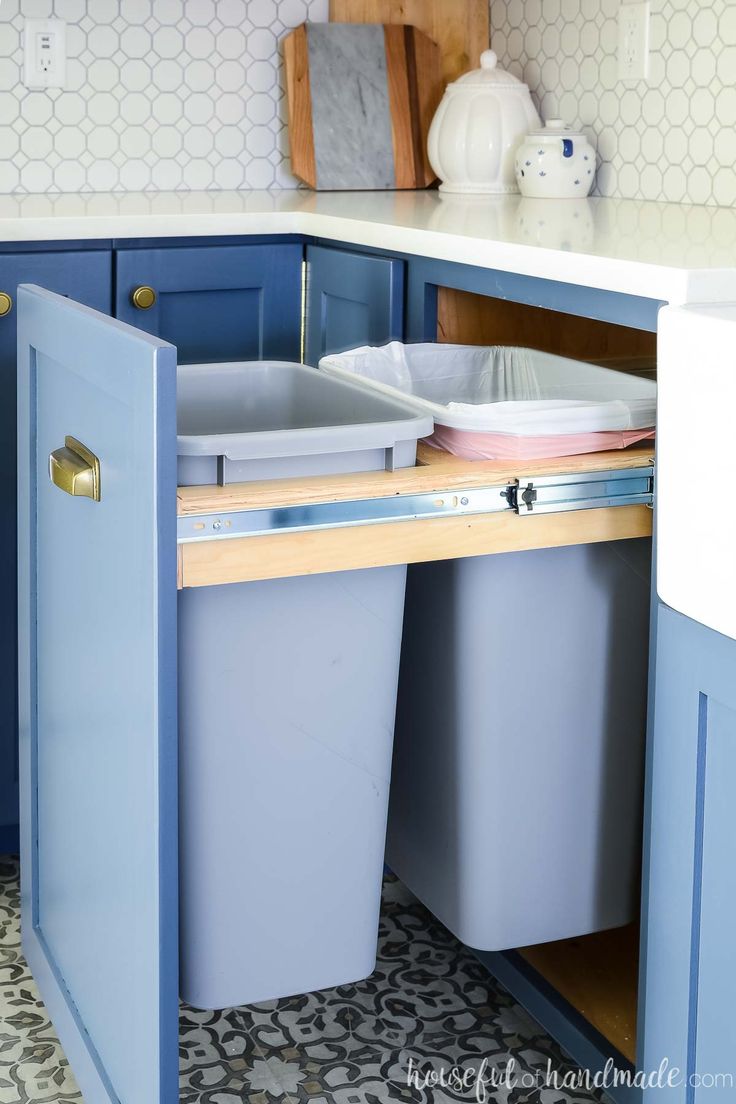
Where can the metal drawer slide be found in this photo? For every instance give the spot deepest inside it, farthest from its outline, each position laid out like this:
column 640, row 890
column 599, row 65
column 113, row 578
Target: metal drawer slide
column 591, row 490
column 540, row 495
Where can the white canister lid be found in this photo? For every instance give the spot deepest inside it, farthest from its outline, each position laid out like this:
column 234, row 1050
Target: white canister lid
column 554, row 129
column 489, row 74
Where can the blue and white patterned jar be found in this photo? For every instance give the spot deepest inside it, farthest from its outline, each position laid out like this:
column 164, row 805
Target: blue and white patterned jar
column 555, row 163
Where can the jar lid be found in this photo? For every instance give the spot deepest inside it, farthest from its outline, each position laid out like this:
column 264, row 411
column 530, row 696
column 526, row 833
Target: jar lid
column 554, row 128
column 489, row 74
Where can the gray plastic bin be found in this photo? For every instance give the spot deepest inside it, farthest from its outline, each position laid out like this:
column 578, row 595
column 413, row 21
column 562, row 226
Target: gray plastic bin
column 286, row 705
column 274, row 419
column 516, row 793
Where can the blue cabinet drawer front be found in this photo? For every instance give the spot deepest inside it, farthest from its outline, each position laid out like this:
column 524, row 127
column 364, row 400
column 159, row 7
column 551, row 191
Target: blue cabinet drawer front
column 239, row 302
column 691, row 957
column 353, row 299
column 87, row 277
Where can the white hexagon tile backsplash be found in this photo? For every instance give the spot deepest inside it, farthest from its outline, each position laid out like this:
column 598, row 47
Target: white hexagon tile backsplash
column 160, row 95
column 188, row 94
column 672, row 137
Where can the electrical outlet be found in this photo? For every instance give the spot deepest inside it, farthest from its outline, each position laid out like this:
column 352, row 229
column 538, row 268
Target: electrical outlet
column 633, row 40
column 44, row 52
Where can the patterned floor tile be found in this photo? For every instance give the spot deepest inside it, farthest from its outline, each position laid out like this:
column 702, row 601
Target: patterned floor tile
column 418, row 1031
column 32, row 1064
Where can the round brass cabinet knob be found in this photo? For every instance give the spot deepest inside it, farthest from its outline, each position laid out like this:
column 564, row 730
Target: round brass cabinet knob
column 143, row 297
column 6, row 303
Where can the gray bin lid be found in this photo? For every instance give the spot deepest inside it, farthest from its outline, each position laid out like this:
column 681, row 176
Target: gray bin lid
column 267, row 408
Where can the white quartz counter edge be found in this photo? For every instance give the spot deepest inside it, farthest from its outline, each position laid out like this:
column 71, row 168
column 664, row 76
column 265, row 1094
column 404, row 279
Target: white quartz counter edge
column 616, row 254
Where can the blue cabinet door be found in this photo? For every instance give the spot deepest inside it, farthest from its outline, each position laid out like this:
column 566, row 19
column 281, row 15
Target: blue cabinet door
column 224, row 302
column 353, row 299
column 86, row 276
column 97, row 661
column 690, row 971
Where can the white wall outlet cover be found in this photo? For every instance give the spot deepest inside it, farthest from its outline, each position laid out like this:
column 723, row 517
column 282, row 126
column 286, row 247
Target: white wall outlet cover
column 633, row 40
column 44, row 53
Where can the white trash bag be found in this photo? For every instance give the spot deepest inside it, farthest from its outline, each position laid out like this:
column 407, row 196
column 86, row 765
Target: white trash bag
column 505, row 403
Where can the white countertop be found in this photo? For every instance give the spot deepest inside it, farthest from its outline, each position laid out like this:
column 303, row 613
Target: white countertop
column 673, row 252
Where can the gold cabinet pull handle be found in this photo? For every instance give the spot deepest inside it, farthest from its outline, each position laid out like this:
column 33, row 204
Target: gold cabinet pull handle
column 6, row 303
column 143, row 297
column 75, row 469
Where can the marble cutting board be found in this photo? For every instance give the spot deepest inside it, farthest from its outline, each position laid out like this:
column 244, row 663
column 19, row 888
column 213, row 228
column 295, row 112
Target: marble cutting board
column 361, row 98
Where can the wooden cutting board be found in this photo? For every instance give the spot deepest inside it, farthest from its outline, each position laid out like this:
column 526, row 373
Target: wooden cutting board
column 361, row 98
column 460, row 27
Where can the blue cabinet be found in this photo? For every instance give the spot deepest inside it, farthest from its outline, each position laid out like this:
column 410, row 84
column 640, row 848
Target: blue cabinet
column 691, row 954
column 87, row 277
column 219, row 302
column 117, row 560
column 352, row 299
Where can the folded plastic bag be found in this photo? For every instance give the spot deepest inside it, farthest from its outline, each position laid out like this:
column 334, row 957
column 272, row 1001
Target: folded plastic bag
column 506, row 446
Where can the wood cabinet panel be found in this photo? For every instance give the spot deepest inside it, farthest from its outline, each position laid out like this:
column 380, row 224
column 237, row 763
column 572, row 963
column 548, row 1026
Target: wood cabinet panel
column 470, row 319
column 599, row 975
column 461, row 27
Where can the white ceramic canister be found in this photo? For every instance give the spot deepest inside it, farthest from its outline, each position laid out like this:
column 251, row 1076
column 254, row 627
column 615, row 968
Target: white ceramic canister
column 555, row 163
column 477, row 127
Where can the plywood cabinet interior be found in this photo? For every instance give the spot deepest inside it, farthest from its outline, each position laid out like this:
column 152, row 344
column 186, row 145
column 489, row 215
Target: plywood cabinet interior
column 479, row 320
column 599, row 976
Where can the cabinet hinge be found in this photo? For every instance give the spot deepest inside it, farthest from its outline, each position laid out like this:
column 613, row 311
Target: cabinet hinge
column 303, row 319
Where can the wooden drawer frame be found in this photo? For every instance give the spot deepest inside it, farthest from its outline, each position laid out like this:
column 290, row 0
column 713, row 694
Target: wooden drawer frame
column 210, row 553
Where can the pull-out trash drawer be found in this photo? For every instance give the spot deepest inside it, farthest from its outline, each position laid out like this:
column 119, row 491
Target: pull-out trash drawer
column 516, row 794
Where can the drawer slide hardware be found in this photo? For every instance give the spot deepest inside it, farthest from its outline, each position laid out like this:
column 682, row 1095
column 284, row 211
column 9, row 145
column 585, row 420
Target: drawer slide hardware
column 591, row 490
column 548, row 494
column 334, row 515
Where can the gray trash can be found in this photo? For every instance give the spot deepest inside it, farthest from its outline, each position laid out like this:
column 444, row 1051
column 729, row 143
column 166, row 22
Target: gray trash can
column 286, row 703
column 516, row 793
